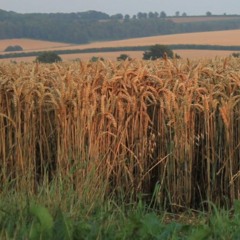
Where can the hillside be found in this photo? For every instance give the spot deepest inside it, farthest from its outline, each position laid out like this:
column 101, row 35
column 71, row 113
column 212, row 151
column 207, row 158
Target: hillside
column 86, row 51
column 92, row 26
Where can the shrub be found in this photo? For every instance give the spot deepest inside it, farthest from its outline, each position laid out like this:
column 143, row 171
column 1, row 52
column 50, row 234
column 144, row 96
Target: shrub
column 48, row 57
column 13, row 48
column 236, row 54
column 157, row 51
column 96, row 59
column 123, row 57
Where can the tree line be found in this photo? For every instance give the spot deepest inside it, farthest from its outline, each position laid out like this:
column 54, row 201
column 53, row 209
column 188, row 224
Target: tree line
column 90, row 26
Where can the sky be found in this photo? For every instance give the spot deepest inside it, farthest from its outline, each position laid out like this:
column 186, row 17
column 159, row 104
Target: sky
column 131, row 7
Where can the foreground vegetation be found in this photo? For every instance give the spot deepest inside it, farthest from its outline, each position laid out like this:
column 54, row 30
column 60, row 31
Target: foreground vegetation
column 57, row 212
column 103, row 150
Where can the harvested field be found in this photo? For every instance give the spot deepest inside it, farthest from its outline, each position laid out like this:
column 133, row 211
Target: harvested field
column 228, row 38
column 30, row 44
column 83, row 56
column 198, row 54
column 202, row 19
column 191, row 54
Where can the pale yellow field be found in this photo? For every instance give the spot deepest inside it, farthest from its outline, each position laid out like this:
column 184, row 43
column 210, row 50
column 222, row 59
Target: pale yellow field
column 191, row 54
column 228, row 38
column 197, row 54
column 82, row 56
column 201, row 19
column 30, row 44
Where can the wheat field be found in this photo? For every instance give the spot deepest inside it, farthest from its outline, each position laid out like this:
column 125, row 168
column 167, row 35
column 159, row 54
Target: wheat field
column 168, row 128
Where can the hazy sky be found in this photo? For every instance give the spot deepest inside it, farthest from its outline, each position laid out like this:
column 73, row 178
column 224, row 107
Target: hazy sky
column 191, row 7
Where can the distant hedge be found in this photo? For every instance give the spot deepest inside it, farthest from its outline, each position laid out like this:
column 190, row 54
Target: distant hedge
column 127, row 48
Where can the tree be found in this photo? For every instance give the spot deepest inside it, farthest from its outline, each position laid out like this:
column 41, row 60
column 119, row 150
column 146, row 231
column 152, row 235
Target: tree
column 150, row 15
column 141, row 15
column 127, row 17
column 163, row 14
column 184, row 14
column 208, row 14
column 157, row 51
column 236, row 54
column 96, row 59
column 117, row 16
column 13, row 48
column 177, row 13
column 48, row 57
column 123, row 57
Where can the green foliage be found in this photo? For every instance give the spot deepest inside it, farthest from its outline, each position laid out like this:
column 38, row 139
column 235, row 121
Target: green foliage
column 67, row 219
column 236, row 54
column 13, row 48
column 63, row 226
column 48, row 57
column 42, row 225
column 123, row 57
column 158, row 51
column 84, row 27
column 95, row 59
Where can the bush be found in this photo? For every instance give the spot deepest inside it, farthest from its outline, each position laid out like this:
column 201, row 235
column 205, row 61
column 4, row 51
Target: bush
column 48, row 57
column 236, row 54
column 96, row 59
column 158, row 51
column 13, row 48
column 123, row 57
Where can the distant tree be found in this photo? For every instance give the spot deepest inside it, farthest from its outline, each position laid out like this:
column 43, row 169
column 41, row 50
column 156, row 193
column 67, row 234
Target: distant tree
column 177, row 13
column 95, row 59
column 158, row 51
column 127, row 17
column 236, row 54
column 184, row 14
column 48, row 57
column 117, row 16
column 156, row 14
column 163, row 14
column 91, row 15
column 13, row 48
column 141, row 15
column 208, row 14
column 150, row 15
column 123, row 57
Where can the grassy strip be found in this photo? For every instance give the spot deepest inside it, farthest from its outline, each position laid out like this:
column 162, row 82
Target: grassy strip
column 127, row 48
column 58, row 214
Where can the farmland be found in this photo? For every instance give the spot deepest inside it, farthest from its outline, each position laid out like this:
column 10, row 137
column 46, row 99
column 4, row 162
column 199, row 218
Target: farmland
column 191, row 19
column 116, row 135
column 221, row 38
column 29, row 44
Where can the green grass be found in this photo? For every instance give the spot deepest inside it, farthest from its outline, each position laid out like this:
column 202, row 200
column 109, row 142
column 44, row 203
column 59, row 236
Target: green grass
column 56, row 213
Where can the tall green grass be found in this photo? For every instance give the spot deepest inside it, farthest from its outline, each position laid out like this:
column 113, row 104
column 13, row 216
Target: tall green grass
column 61, row 214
